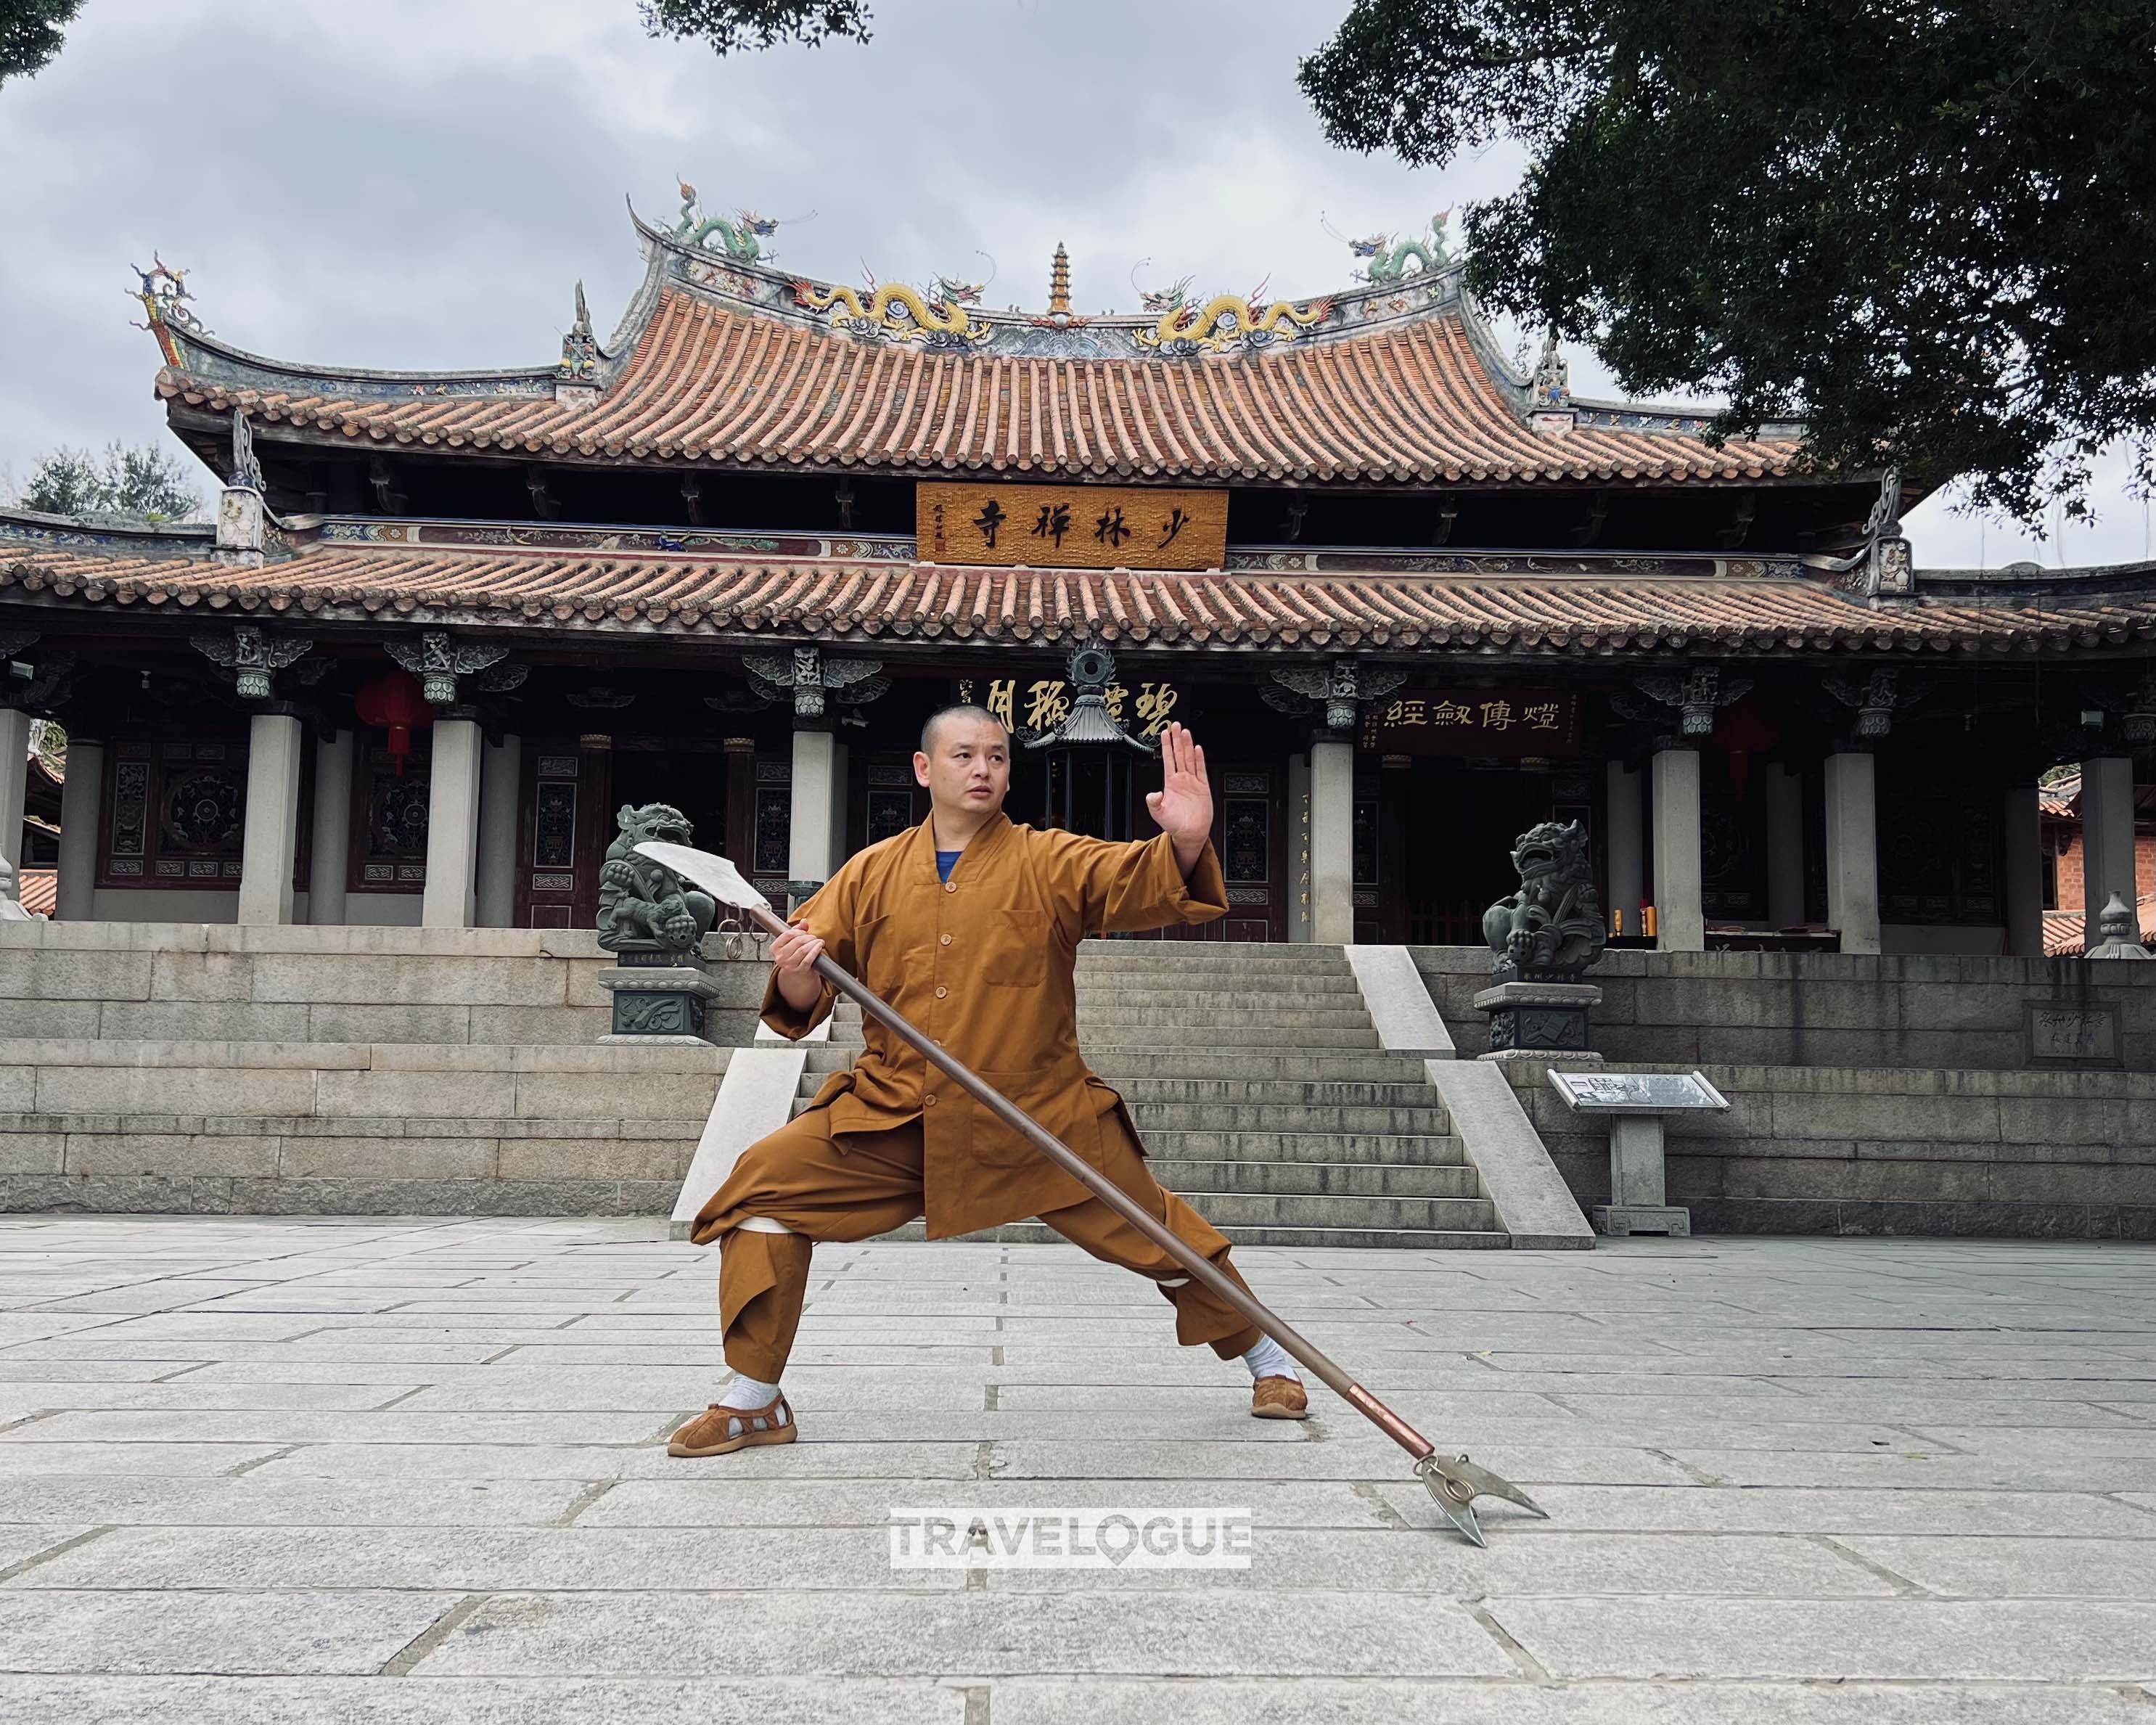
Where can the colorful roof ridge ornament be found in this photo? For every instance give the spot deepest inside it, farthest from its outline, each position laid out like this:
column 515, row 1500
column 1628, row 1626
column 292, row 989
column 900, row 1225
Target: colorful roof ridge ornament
column 739, row 238
column 1552, row 386
column 894, row 312
column 1228, row 323
column 580, row 349
column 1389, row 257
column 163, row 295
column 1550, row 410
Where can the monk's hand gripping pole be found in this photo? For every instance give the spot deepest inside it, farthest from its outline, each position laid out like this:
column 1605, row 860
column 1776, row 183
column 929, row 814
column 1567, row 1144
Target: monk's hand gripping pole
column 1453, row 1485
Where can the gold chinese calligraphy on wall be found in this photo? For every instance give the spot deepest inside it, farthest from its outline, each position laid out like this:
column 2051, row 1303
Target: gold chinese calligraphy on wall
column 1044, row 702
column 1507, row 723
column 1071, row 526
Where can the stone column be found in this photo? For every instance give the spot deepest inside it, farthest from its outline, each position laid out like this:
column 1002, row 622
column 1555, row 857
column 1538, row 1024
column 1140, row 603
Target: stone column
column 14, row 790
column 1298, row 849
column 2107, row 840
column 1785, row 846
column 271, row 838
column 738, row 845
column 817, row 840
column 1852, row 852
column 1628, row 848
column 1680, row 920
column 82, row 810
column 1332, row 842
column 329, row 865
column 2024, row 836
column 501, row 786
column 452, row 824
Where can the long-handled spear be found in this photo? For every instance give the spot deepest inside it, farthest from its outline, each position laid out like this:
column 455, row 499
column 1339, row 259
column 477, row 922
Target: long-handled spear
column 1455, row 1484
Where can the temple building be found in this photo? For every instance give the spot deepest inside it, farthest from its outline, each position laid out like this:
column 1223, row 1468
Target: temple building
column 1412, row 599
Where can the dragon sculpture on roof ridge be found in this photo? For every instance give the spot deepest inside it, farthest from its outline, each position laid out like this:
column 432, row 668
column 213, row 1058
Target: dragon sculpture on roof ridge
column 739, row 239
column 894, row 309
column 1389, row 259
column 1229, row 320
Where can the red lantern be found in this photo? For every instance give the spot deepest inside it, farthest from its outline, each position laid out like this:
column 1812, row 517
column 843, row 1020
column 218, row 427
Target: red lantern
column 393, row 701
column 1744, row 730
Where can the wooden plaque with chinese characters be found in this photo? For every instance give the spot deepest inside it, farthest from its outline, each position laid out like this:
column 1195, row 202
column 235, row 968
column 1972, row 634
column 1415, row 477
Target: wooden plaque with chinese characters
column 1071, row 526
column 1509, row 724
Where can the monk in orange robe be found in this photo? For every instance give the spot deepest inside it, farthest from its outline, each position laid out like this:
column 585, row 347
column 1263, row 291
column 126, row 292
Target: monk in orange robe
column 968, row 924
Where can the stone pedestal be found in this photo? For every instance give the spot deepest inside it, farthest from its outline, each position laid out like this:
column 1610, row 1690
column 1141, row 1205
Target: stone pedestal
column 1533, row 1021
column 658, row 996
column 1636, row 1190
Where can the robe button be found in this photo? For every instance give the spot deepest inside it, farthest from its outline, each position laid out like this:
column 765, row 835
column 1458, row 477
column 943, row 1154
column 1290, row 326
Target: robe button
column 946, row 940
column 928, row 1100
column 950, row 886
column 941, row 992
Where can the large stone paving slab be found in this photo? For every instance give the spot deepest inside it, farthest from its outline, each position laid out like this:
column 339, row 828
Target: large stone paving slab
column 413, row 1472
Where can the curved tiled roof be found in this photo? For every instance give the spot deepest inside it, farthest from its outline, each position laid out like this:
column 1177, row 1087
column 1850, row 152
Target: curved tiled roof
column 839, row 599
column 710, row 382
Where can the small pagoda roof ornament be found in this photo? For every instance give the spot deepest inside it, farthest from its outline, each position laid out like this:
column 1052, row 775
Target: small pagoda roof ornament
column 1059, row 283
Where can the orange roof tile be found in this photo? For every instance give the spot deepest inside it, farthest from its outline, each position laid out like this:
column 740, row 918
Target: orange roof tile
column 709, row 382
column 37, row 890
column 834, row 598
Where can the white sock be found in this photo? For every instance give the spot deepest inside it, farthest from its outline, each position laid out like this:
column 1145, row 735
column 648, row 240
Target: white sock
column 1269, row 1359
column 747, row 1392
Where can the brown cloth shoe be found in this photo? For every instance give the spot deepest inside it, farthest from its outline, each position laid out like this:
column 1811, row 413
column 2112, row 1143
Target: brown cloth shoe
column 720, row 1431
column 1279, row 1398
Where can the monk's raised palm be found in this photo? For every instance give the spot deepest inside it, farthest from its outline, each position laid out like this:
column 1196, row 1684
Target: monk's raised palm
column 1183, row 804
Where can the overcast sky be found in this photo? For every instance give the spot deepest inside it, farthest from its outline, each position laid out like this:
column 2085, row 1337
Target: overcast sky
column 420, row 183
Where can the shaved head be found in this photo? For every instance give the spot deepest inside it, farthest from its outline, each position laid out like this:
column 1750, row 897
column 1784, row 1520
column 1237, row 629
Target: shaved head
column 966, row 711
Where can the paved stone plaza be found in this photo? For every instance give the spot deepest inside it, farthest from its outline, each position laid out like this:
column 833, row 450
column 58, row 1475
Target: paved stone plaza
column 277, row 1470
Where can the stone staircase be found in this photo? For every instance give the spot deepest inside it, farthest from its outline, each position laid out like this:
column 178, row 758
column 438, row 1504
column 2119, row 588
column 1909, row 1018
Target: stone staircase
column 1257, row 1082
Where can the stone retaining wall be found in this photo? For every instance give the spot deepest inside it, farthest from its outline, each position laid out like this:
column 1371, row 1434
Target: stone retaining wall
column 1824, row 1010
column 1812, row 1150
column 349, row 1128
column 204, row 981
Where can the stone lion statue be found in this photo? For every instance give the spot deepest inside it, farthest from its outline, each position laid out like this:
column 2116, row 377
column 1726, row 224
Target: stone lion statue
column 1551, row 930
column 642, row 906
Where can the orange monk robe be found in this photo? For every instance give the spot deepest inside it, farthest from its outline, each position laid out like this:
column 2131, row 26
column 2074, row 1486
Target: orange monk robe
column 984, row 965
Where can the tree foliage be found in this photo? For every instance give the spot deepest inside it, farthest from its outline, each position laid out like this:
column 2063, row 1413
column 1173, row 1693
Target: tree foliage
column 30, row 33
column 143, row 484
column 731, row 25
column 1927, row 228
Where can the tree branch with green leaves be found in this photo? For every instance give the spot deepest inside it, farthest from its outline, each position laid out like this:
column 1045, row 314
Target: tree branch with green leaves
column 1926, row 230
